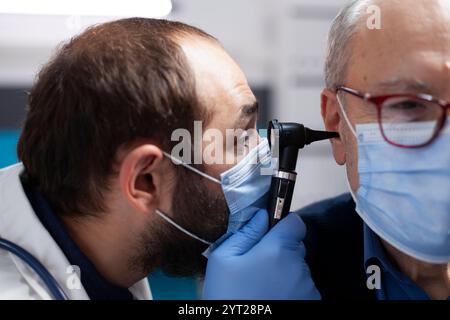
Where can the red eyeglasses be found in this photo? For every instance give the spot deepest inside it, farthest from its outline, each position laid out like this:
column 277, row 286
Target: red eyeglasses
column 425, row 115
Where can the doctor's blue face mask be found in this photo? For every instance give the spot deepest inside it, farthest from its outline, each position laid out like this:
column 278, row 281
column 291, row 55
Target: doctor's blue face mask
column 245, row 187
column 404, row 194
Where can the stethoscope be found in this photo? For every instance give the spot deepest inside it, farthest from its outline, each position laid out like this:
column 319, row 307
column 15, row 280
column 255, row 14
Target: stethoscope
column 53, row 286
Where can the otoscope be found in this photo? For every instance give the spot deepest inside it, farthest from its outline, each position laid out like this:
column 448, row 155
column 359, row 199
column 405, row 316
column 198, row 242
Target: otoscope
column 285, row 140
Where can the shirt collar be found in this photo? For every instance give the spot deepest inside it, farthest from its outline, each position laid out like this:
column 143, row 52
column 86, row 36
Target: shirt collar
column 96, row 286
column 374, row 253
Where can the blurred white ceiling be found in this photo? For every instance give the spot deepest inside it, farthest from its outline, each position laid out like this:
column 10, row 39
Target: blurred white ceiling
column 250, row 30
column 30, row 30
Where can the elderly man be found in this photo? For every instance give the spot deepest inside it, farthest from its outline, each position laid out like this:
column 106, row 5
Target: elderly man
column 388, row 93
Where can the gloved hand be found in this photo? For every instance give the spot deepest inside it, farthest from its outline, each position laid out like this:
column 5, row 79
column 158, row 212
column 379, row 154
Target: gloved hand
column 253, row 265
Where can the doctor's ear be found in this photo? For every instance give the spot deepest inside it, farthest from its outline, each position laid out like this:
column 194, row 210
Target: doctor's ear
column 332, row 120
column 140, row 177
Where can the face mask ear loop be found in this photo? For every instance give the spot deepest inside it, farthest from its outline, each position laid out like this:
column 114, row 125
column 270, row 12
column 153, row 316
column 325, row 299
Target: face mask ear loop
column 351, row 190
column 347, row 120
column 165, row 217
column 180, row 162
column 344, row 114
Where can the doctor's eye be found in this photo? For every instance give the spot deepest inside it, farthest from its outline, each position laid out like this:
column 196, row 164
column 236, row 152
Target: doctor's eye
column 242, row 139
column 251, row 110
column 246, row 139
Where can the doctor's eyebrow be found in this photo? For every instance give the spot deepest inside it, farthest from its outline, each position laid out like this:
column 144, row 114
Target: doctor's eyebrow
column 404, row 85
column 248, row 110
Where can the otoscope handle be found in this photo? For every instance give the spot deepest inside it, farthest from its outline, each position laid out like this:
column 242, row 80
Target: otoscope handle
column 281, row 190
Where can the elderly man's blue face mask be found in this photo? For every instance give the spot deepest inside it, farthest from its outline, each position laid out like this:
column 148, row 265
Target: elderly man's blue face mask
column 404, row 194
column 245, row 189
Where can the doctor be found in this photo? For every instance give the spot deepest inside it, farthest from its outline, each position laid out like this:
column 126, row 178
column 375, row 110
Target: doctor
column 100, row 201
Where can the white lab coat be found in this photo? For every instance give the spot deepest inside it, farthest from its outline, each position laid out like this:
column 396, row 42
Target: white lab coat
column 19, row 224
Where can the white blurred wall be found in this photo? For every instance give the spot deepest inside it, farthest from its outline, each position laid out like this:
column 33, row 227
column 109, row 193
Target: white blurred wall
column 280, row 44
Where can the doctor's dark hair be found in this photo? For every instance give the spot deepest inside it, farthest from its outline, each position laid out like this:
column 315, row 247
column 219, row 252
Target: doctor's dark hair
column 111, row 85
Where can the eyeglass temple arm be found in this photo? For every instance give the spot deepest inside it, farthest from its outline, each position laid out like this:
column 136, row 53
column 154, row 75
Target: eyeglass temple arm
column 351, row 91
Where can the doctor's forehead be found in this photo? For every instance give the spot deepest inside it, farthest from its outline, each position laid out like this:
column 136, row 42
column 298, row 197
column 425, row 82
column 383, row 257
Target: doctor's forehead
column 220, row 83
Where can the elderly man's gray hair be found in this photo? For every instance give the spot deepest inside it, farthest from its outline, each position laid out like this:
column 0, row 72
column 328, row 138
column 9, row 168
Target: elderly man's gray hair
column 339, row 51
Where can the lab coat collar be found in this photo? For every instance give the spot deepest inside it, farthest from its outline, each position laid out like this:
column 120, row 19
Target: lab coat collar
column 19, row 224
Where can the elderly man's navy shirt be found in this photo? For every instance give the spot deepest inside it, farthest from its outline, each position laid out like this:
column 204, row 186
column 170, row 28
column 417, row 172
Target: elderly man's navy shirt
column 340, row 248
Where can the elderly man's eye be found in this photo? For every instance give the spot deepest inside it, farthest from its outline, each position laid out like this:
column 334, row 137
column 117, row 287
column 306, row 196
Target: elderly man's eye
column 407, row 105
column 409, row 110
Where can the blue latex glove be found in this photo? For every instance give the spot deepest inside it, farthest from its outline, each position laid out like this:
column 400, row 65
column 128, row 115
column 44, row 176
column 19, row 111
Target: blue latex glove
column 253, row 265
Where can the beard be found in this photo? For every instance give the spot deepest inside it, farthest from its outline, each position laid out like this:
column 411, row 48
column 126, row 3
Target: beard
column 198, row 206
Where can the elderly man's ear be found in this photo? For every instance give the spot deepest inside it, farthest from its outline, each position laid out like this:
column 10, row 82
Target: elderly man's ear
column 332, row 120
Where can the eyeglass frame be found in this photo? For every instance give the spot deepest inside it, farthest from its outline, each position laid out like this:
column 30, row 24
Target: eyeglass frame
column 378, row 100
